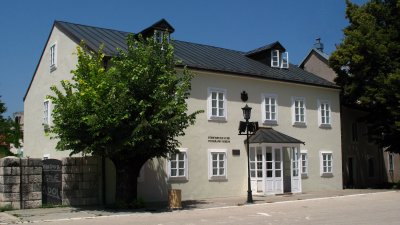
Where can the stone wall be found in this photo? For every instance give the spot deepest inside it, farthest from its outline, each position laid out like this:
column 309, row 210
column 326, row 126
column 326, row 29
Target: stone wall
column 20, row 183
column 81, row 181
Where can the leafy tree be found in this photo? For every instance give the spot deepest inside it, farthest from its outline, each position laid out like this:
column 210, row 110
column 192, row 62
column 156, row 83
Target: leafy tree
column 10, row 132
column 368, row 66
column 131, row 111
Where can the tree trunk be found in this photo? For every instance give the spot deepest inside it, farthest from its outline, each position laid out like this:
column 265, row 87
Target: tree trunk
column 127, row 172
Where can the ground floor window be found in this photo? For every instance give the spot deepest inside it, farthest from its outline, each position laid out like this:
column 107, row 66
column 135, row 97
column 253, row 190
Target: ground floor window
column 390, row 161
column 256, row 162
column 177, row 165
column 326, row 160
column 217, row 169
column 304, row 162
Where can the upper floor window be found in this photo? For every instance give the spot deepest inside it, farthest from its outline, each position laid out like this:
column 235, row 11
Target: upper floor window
column 46, row 112
column 217, row 104
column 324, row 113
column 177, row 166
column 269, row 108
column 217, row 164
column 53, row 57
column 326, row 160
column 159, row 36
column 279, row 59
column 298, row 111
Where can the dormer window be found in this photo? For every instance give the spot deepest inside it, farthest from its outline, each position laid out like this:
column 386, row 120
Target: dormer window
column 159, row 36
column 285, row 60
column 275, row 58
column 279, row 59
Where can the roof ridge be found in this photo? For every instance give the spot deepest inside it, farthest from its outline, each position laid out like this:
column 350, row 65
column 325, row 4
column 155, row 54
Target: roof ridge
column 242, row 52
column 83, row 25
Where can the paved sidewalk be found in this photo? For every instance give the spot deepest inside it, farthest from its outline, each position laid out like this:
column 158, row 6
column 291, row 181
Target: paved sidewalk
column 42, row 215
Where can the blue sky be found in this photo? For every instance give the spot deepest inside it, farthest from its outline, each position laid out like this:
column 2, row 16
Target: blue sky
column 240, row 25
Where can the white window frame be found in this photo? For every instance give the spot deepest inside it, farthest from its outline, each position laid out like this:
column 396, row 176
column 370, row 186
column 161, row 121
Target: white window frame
column 275, row 58
column 322, row 114
column 185, row 169
column 329, row 168
column 285, row 60
column 304, row 163
column 299, row 122
column 53, row 56
column 217, row 117
column 218, row 177
column 264, row 110
column 46, row 112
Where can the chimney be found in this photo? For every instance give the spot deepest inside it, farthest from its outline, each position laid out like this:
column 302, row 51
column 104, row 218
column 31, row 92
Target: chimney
column 318, row 45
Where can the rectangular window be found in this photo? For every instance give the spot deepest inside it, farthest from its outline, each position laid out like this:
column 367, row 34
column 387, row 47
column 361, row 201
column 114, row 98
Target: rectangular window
column 390, row 161
column 256, row 162
column 46, row 112
column 298, row 111
column 285, row 60
column 326, row 160
column 177, row 166
column 217, row 164
column 53, row 57
column 304, row 162
column 275, row 58
column 217, row 104
column 269, row 108
column 324, row 113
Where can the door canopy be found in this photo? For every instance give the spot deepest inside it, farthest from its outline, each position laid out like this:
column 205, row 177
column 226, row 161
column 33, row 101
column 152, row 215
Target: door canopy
column 269, row 135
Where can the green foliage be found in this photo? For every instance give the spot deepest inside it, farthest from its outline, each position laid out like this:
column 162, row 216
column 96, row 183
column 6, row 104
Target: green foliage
column 134, row 107
column 10, row 133
column 7, row 207
column 368, row 66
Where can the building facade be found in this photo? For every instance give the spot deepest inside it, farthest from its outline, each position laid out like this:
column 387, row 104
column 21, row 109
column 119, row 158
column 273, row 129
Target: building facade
column 297, row 149
column 365, row 164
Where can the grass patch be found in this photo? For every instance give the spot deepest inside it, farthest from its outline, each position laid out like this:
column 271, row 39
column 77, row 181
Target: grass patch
column 7, row 207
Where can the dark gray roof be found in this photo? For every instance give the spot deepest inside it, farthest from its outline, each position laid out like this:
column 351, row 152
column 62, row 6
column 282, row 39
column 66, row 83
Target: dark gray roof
column 269, row 135
column 197, row 56
column 265, row 47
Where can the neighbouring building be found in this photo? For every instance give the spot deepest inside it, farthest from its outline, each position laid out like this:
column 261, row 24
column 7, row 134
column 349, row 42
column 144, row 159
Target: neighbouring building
column 364, row 163
column 297, row 149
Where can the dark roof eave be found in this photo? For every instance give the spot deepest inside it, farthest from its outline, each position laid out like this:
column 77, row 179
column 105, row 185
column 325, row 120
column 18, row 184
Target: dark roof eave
column 261, row 77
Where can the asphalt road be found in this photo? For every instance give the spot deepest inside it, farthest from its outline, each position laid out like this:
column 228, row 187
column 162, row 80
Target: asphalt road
column 376, row 208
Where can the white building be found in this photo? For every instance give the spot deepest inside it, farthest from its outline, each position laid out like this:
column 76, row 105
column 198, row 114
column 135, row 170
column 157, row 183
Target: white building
column 292, row 105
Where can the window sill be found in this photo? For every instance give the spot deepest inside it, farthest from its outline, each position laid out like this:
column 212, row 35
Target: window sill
column 327, row 175
column 299, row 124
column 304, row 175
column 270, row 122
column 178, row 179
column 217, row 119
column 218, row 178
column 325, row 126
column 53, row 68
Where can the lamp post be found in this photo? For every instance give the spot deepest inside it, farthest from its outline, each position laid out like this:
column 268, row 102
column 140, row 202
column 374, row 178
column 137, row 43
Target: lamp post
column 246, row 116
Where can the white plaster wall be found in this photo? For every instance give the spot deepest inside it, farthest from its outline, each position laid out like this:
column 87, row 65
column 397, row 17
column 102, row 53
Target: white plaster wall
column 196, row 139
column 36, row 143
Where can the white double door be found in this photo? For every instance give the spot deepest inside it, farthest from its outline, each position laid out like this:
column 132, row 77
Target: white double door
column 267, row 169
